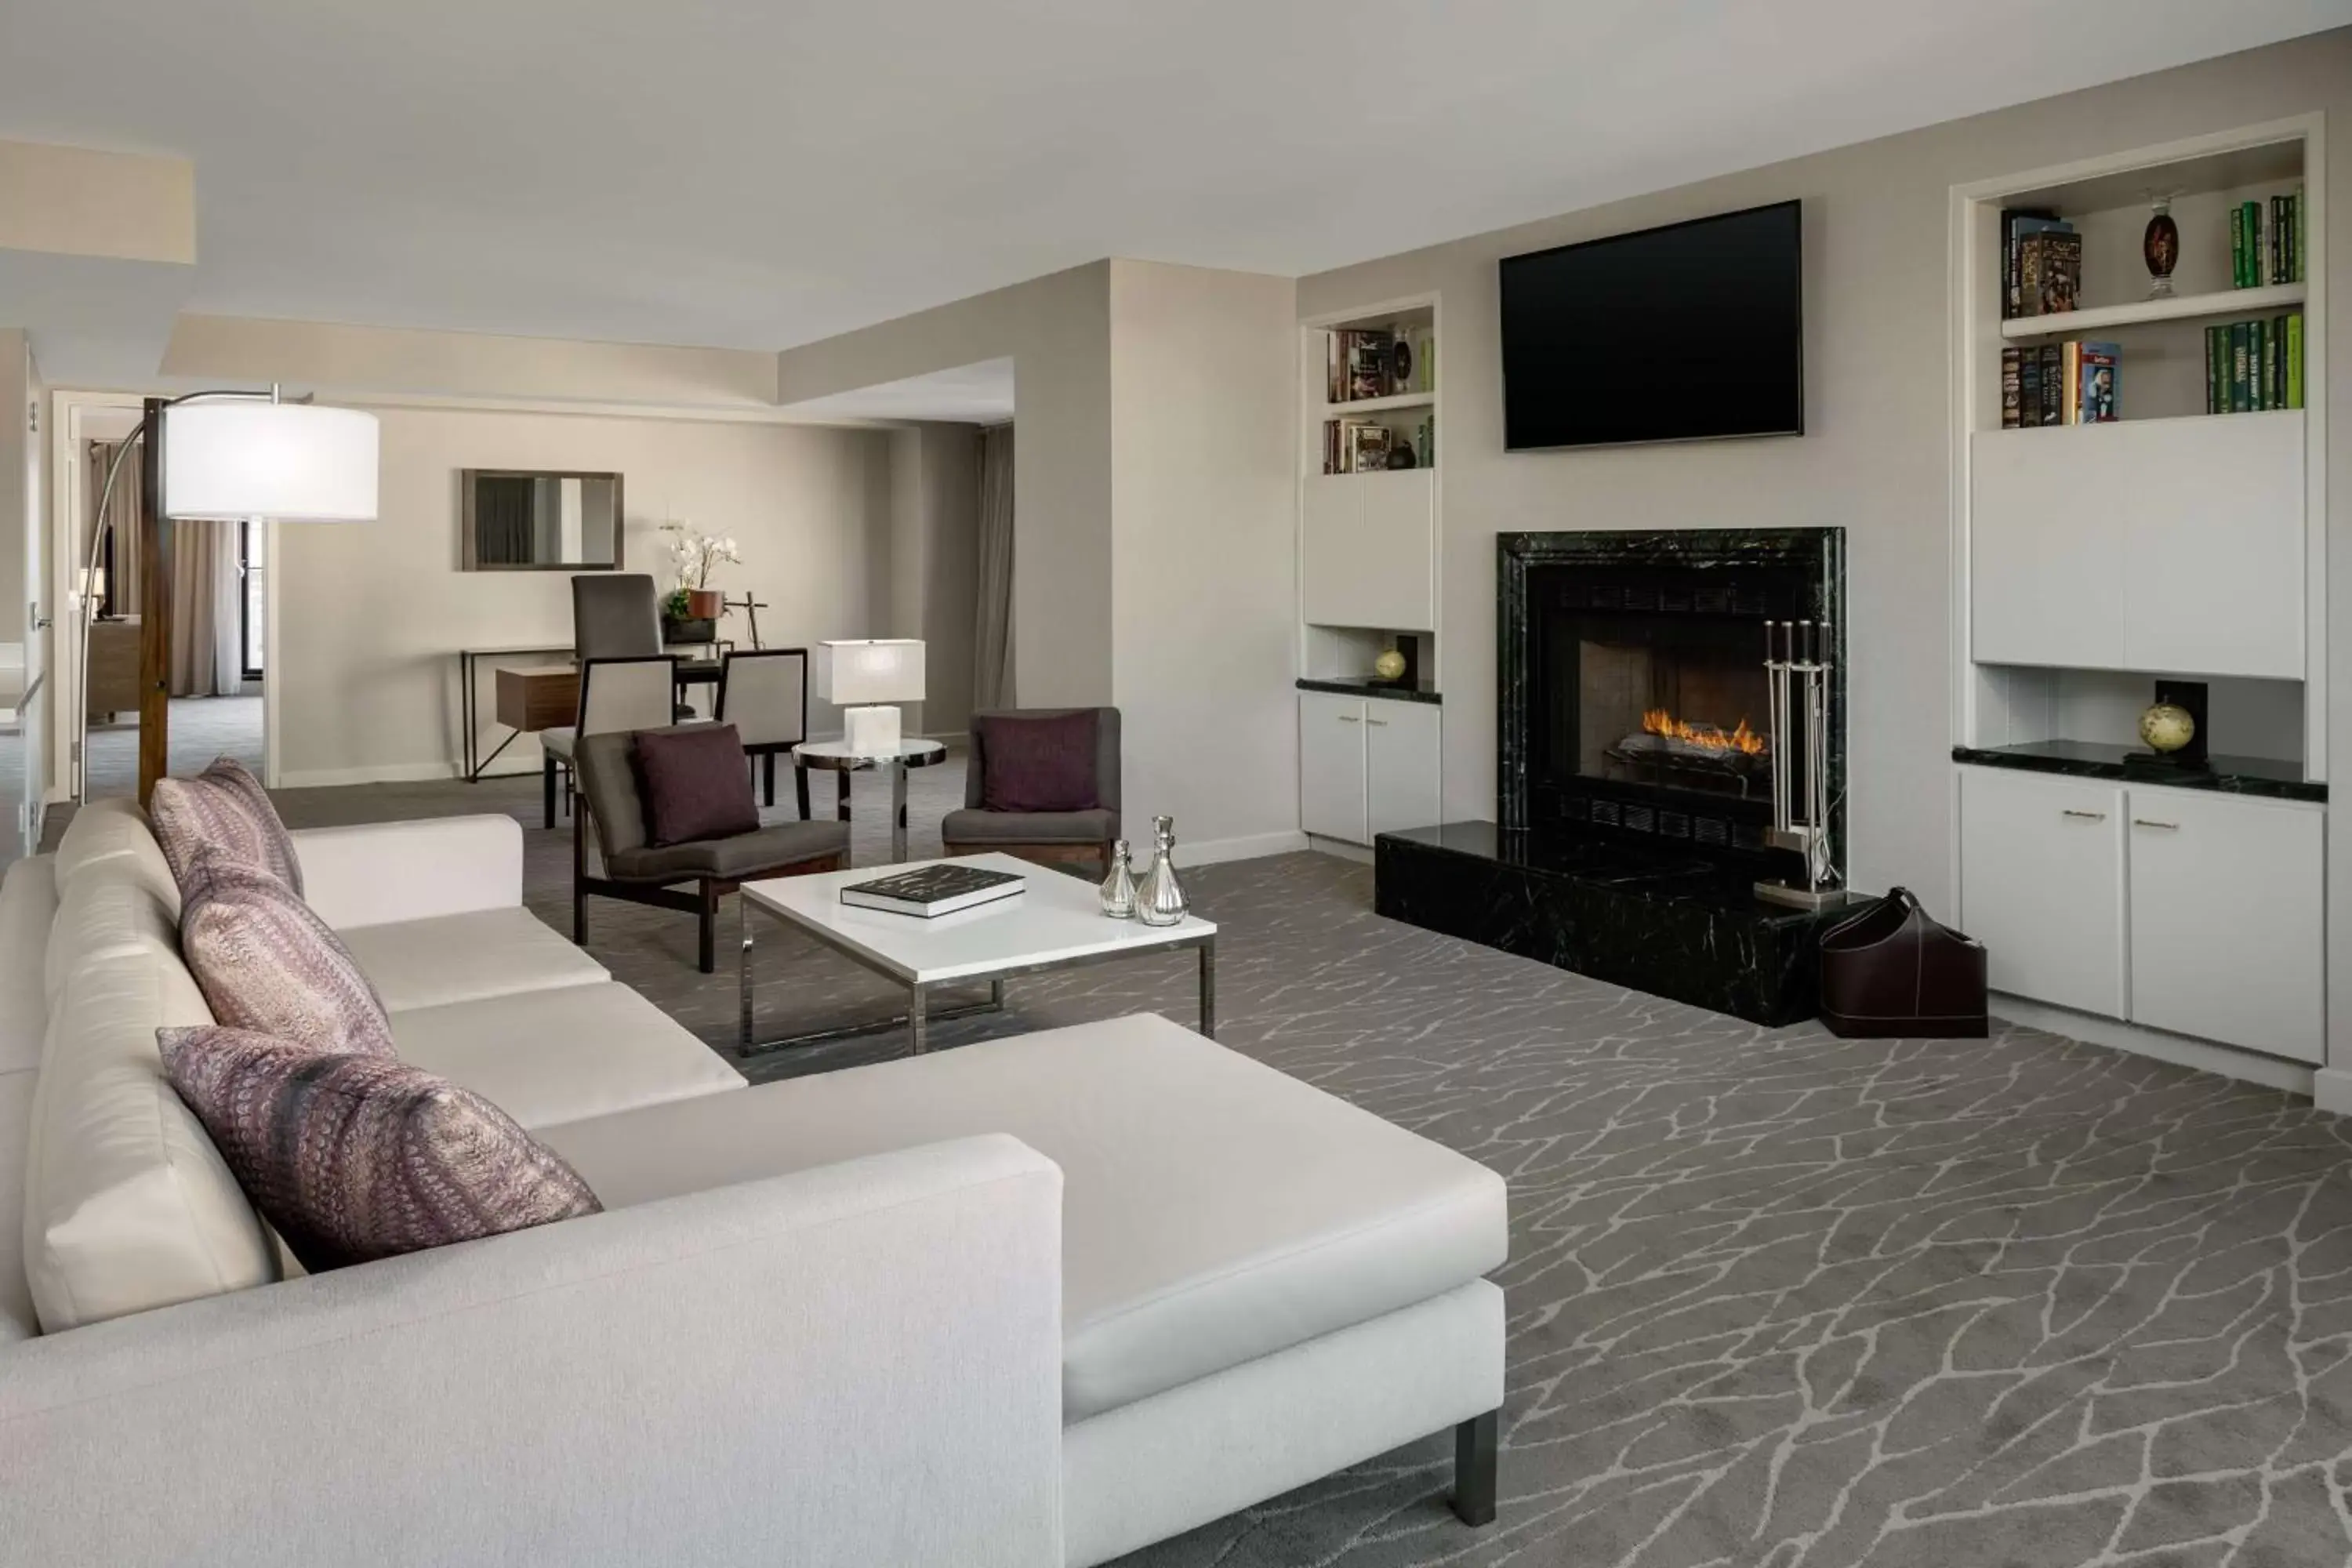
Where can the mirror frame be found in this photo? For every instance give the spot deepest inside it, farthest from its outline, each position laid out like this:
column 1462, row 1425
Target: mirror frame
column 469, row 558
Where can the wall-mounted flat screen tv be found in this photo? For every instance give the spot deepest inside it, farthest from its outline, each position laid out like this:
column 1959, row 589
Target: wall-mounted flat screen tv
column 1683, row 333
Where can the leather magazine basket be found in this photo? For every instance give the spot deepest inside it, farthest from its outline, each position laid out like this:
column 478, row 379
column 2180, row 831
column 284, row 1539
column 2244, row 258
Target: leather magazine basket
column 1892, row 971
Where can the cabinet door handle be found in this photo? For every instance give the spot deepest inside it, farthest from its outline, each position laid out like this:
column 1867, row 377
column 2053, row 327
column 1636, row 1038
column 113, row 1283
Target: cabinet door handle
column 2144, row 822
column 2085, row 815
column 1378, row 723
column 1349, row 717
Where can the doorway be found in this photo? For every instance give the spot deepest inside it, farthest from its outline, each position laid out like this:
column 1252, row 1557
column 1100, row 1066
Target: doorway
column 221, row 613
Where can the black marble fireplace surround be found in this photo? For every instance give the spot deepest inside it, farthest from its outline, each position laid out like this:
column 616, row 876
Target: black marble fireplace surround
column 1634, row 785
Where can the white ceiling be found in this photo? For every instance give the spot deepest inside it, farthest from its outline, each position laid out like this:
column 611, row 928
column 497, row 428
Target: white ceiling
column 756, row 174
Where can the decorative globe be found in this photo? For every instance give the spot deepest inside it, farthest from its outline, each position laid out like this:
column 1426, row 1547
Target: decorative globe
column 2167, row 727
column 1389, row 666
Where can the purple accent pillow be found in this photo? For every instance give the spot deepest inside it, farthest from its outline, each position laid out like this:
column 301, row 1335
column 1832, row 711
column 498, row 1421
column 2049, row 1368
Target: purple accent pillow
column 1038, row 764
column 355, row 1158
column 266, row 962
column 223, row 807
column 694, row 785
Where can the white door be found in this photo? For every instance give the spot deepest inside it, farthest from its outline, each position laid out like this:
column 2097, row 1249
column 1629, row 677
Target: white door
column 2042, row 886
column 2226, row 920
column 1401, row 753
column 2046, row 568
column 1331, row 801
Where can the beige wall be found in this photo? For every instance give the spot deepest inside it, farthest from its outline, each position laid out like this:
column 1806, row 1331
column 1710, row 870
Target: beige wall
column 71, row 201
column 1056, row 331
column 934, row 560
column 1875, row 457
column 1203, row 528
column 370, row 617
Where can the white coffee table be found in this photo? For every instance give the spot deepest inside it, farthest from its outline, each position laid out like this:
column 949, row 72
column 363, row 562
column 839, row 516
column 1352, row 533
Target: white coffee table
column 1054, row 923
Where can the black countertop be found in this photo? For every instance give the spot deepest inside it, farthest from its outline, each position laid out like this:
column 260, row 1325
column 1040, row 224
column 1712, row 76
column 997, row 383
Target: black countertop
column 1366, row 686
column 2097, row 760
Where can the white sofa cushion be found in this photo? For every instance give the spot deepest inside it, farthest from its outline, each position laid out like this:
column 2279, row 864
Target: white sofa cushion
column 115, row 832
column 1214, row 1210
column 17, row 1319
column 549, row 1057
column 106, row 911
column 28, row 903
column 465, row 957
column 128, row 1205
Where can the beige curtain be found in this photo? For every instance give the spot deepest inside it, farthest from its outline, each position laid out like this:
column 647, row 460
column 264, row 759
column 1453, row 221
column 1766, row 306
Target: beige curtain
column 206, row 660
column 122, row 510
column 991, row 675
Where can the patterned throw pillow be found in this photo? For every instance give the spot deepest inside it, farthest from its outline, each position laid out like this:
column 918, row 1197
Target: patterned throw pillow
column 225, row 808
column 355, row 1158
column 266, row 962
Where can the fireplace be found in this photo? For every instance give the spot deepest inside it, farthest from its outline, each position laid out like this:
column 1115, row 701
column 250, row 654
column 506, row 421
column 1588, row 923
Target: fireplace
column 1640, row 750
column 1635, row 697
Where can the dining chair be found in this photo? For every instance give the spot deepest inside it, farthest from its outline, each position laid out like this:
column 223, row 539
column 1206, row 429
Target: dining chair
column 636, row 693
column 763, row 692
column 615, row 614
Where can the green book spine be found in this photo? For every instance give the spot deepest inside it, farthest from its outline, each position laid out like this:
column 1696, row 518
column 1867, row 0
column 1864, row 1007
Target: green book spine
column 2256, row 275
column 2295, row 361
column 2302, row 245
column 2257, row 349
column 2241, row 394
column 2214, row 401
column 2237, row 248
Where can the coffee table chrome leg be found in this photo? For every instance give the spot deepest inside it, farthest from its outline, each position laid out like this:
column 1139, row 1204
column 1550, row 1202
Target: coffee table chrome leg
column 743, row 968
column 898, row 811
column 917, row 1022
column 1209, row 987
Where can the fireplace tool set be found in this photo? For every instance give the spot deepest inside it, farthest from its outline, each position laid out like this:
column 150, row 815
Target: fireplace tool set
column 1797, row 678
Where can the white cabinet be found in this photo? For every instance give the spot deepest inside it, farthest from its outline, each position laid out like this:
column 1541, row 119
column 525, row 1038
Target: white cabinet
column 2041, row 885
column 2186, row 911
column 2226, row 922
column 1331, row 767
column 1367, row 556
column 1400, row 764
column 1366, row 765
column 2162, row 544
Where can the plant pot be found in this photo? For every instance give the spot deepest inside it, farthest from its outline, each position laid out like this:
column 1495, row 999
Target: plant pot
column 705, row 603
column 690, row 631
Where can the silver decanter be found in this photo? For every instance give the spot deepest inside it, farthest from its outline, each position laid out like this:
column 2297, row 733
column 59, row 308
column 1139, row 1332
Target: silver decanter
column 1160, row 899
column 1119, row 888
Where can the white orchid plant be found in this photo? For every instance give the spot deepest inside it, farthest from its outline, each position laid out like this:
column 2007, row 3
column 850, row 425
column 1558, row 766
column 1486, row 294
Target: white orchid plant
column 693, row 553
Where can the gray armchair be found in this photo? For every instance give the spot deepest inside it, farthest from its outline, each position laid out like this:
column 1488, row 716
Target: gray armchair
column 1080, row 838
column 691, row 878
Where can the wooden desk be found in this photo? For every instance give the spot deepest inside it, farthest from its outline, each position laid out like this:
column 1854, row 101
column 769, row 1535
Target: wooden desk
column 540, row 697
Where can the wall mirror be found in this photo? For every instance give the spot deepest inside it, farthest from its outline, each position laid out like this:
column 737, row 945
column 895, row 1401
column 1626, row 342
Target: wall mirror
column 526, row 520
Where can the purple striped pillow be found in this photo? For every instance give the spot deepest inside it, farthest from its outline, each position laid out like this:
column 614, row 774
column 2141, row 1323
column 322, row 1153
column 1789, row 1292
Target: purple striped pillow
column 354, row 1158
column 266, row 962
column 223, row 808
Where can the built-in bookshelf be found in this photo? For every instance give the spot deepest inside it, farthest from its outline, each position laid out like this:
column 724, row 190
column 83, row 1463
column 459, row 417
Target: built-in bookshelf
column 2166, row 531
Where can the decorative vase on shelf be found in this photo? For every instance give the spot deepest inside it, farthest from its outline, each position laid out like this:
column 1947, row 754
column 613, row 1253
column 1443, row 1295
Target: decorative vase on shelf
column 2159, row 247
column 1119, row 888
column 1160, row 901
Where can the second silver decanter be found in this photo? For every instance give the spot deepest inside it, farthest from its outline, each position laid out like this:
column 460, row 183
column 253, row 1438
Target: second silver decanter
column 1119, row 888
column 1159, row 901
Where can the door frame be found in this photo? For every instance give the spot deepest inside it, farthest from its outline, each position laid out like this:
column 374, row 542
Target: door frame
column 68, row 416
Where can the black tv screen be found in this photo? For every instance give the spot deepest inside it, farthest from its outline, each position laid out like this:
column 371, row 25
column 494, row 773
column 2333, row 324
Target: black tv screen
column 1679, row 333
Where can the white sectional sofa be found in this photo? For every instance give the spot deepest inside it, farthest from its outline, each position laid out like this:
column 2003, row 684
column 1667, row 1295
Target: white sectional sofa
column 1036, row 1301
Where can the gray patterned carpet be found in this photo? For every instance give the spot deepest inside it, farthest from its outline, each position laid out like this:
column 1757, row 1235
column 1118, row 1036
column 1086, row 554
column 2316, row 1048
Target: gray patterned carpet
column 1774, row 1298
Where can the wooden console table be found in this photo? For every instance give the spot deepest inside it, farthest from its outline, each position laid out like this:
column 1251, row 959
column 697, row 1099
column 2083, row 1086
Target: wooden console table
column 536, row 695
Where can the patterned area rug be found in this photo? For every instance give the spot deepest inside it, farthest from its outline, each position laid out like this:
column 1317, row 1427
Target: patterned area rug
column 1774, row 1298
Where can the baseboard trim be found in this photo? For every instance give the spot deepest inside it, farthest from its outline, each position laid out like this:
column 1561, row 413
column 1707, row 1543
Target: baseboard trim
column 1338, row 848
column 1215, row 851
column 388, row 772
column 2181, row 1050
column 2331, row 1090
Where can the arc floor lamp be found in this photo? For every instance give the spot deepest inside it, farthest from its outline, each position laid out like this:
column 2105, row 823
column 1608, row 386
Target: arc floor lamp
column 215, row 457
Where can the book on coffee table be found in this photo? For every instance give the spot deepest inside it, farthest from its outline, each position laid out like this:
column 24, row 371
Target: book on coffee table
column 930, row 890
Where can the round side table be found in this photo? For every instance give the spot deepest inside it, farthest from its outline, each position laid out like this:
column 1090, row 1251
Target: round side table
column 839, row 758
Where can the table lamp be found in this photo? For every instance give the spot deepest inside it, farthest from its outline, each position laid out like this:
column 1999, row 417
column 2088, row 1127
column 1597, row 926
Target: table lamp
column 867, row 679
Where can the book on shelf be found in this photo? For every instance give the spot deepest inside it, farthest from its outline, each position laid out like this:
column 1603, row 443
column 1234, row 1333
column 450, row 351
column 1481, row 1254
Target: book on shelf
column 2050, row 272
column 2099, row 373
column 2053, row 384
column 2293, row 360
column 2016, row 223
column 2060, row 384
column 2241, row 390
column 1368, row 362
column 2254, row 366
column 2012, row 388
column 929, row 891
column 2267, row 242
column 2029, row 386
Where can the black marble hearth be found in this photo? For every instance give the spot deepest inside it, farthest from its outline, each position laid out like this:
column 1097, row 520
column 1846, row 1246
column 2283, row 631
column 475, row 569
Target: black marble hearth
column 1630, row 914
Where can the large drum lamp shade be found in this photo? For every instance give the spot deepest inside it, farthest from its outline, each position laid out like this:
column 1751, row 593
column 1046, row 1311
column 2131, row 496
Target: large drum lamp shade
column 293, row 462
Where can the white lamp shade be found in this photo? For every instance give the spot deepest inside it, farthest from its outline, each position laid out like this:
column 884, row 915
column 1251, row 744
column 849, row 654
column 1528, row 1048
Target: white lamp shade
column 292, row 461
column 886, row 669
